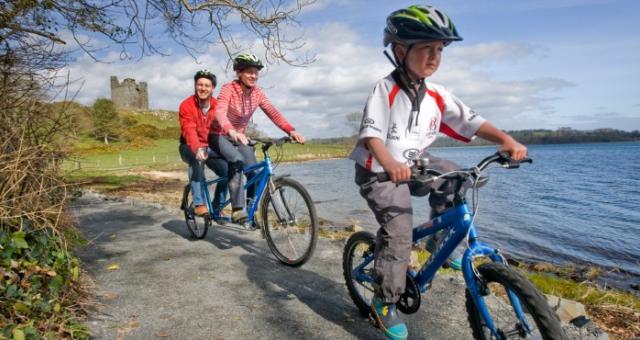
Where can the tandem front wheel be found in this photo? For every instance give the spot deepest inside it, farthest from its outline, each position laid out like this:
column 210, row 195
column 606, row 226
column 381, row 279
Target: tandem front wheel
column 289, row 221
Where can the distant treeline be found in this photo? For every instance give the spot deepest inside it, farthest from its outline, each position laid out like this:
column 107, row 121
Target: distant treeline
column 538, row 136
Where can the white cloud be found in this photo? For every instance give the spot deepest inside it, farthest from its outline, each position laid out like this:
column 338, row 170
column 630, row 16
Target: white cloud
column 317, row 98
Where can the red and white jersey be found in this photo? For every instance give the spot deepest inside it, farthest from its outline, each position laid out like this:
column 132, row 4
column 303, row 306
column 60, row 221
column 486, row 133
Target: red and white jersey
column 406, row 134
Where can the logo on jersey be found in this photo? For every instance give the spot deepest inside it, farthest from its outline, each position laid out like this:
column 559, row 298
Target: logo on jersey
column 411, row 154
column 472, row 115
column 393, row 132
column 433, row 123
column 369, row 123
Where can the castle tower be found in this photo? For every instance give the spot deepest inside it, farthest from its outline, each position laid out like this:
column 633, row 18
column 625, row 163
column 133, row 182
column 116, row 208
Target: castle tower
column 129, row 95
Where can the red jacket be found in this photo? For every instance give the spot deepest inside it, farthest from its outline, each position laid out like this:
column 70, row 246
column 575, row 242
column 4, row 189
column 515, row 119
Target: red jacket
column 195, row 126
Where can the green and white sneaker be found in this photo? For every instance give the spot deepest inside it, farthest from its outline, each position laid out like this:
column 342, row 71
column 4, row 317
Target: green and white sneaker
column 387, row 319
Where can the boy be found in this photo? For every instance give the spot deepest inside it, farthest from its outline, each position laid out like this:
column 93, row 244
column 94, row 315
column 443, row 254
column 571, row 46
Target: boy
column 401, row 119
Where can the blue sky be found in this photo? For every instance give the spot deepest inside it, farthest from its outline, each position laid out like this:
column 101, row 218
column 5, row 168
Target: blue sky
column 522, row 65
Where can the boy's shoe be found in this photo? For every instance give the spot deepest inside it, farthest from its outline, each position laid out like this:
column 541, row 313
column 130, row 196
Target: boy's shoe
column 386, row 316
column 454, row 261
column 239, row 217
column 201, row 210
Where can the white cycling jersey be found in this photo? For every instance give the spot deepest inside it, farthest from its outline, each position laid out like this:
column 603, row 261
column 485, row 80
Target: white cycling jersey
column 388, row 116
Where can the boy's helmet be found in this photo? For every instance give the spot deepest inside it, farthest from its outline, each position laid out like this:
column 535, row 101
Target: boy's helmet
column 245, row 60
column 419, row 23
column 205, row 74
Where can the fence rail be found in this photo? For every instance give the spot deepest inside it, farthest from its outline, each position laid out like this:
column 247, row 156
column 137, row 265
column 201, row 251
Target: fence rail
column 119, row 162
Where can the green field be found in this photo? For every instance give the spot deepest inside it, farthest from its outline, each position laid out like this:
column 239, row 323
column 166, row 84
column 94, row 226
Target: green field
column 164, row 155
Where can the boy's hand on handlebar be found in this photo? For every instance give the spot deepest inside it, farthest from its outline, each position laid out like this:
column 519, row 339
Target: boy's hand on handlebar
column 397, row 171
column 297, row 137
column 516, row 150
column 238, row 137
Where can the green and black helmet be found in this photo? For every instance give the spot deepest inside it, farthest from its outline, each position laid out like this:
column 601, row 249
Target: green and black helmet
column 245, row 60
column 419, row 23
column 205, row 74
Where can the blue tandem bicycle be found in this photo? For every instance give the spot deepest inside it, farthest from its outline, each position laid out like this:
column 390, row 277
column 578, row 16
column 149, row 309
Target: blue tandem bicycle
column 282, row 208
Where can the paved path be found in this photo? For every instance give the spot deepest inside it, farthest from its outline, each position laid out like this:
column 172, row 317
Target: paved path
column 228, row 285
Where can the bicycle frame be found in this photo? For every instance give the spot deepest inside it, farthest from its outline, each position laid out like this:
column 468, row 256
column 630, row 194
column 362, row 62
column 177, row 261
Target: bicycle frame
column 261, row 178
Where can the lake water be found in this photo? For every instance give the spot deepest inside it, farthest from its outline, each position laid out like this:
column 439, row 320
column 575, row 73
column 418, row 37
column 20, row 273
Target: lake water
column 577, row 203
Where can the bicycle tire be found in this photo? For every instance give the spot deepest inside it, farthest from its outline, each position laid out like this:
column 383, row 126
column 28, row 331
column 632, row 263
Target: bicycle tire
column 291, row 200
column 197, row 226
column 496, row 278
column 360, row 245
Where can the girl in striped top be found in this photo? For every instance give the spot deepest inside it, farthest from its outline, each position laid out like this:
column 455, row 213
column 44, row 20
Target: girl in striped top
column 237, row 102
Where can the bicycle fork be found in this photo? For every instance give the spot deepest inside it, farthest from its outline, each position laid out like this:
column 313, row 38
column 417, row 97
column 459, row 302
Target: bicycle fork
column 475, row 284
column 280, row 206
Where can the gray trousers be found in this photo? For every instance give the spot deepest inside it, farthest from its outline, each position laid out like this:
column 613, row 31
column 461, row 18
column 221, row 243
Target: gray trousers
column 391, row 205
column 238, row 156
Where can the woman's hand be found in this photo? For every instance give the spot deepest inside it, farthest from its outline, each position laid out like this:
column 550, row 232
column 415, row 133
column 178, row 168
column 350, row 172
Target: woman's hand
column 238, row 137
column 296, row 136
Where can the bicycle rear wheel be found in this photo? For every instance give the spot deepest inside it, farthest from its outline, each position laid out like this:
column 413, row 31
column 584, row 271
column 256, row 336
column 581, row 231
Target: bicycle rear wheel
column 496, row 281
column 359, row 248
column 289, row 222
column 196, row 225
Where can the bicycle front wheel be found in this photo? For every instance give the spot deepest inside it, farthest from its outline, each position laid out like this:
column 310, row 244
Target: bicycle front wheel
column 289, row 222
column 196, row 225
column 503, row 289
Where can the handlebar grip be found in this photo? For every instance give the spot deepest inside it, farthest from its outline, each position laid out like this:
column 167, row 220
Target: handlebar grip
column 382, row 177
column 513, row 164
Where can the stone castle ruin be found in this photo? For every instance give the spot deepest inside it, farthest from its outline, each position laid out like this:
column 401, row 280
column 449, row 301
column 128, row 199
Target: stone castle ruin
column 129, row 95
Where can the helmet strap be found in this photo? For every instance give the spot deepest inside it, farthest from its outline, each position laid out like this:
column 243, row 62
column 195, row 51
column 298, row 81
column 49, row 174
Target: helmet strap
column 391, row 60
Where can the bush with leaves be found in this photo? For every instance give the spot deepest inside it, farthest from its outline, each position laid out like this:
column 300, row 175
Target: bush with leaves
column 40, row 287
column 106, row 124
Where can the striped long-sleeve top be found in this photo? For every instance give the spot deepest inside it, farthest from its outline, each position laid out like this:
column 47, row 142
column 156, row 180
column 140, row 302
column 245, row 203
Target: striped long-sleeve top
column 235, row 108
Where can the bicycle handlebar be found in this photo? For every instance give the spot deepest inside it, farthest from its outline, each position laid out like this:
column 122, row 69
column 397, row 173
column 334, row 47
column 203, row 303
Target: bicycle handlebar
column 426, row 175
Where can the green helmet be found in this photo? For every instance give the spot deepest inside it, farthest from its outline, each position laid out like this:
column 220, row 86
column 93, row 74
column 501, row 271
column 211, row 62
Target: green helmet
column 419, row 23
column 245, row 60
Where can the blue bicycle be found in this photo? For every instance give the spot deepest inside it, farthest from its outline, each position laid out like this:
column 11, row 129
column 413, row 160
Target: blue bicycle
column 501, row 303
column 286, row 211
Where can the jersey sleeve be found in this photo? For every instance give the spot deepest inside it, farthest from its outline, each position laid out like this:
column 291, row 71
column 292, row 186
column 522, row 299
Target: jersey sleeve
column 375, row 119
column 458, row 120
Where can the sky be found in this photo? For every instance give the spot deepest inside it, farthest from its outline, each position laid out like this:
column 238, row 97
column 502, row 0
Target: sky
column 522, row 64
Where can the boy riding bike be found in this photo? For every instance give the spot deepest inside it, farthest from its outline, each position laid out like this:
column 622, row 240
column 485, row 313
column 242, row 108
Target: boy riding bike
column 237, row 102
column 401, row 119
